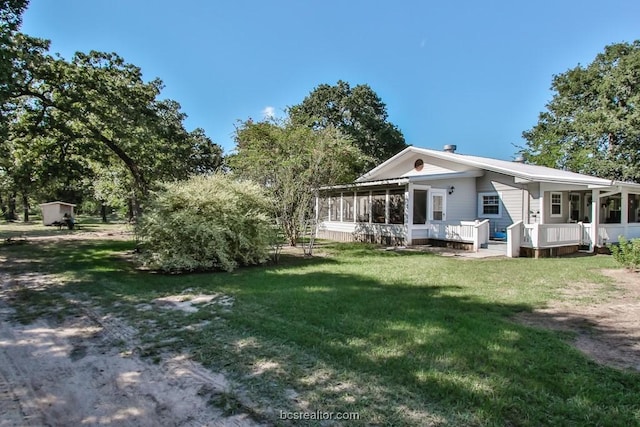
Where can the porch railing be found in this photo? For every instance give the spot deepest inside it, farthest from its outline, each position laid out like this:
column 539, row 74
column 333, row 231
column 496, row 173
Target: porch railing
column 554, row 235
column 551, row 235
column 609, row 233
column 476, row 232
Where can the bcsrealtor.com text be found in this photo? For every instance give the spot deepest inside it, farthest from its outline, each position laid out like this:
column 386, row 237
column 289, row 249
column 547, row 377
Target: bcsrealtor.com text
column 319, row 415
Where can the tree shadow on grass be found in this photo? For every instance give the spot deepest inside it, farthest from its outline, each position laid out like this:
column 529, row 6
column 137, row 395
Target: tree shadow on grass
column 399, row 353
column 431, row 355
column 109, row 265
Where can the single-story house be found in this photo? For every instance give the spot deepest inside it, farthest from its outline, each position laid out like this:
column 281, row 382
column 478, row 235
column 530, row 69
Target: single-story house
column 55, row 211
column 423, row 196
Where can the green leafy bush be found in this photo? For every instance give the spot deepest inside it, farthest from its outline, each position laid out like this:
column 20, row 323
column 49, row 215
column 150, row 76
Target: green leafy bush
column 206, row 223
column 627, row 252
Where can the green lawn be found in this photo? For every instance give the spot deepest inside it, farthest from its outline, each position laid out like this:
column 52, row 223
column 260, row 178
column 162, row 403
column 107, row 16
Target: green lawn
column 400, row 338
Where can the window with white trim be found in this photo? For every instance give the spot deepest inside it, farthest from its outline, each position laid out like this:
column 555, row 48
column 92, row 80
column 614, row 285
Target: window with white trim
column 489, row 205
column 556, row 204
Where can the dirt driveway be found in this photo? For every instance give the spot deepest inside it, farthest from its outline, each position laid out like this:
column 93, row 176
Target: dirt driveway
column 607, row 330
column 85, row 371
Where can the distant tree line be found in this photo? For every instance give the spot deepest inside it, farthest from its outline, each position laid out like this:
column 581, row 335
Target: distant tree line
column 90, row 129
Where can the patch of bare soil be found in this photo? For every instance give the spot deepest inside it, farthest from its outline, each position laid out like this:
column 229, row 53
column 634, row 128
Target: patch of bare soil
column 607, row 328
column 116, row 234
column 85, row 371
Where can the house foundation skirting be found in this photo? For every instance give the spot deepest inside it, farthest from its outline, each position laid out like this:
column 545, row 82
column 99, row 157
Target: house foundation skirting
column 336, row 236
column 548, row 252
column 450, row 244
column 389, row 240
column 343, row 236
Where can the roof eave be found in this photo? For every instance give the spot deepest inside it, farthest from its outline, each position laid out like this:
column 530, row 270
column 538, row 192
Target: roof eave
column 384, row 164
column 393, row 181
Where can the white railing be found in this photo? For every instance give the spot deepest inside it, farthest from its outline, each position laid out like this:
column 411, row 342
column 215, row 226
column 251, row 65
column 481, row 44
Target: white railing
column 529, row 235
column 515, row 233
column 552, row 235
column 476, row 232
column 462, row 231
column 610, row 233
column 481, row 238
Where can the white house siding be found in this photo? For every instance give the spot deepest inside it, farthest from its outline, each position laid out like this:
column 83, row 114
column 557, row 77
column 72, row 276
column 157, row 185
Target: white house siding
column 458, row 206
column 431, row 166
column 513, row 199
column 535, row 214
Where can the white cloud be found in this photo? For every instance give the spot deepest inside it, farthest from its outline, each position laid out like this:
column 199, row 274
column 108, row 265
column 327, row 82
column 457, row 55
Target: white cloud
column 269, row 112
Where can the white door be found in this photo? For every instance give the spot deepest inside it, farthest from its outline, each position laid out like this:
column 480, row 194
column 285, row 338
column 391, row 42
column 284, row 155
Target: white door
column 438, row 211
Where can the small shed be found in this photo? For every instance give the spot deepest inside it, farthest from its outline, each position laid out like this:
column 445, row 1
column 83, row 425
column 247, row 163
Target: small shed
column 54, row 211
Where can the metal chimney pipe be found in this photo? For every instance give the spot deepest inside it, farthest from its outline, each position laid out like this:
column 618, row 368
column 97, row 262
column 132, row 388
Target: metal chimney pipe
column 450, row 148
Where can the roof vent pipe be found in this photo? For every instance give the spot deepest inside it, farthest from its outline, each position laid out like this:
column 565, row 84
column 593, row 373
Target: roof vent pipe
column 519, row 159
column 450, row 148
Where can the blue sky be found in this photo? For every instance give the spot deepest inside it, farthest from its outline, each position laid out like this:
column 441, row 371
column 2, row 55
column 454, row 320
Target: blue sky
column 474, row 74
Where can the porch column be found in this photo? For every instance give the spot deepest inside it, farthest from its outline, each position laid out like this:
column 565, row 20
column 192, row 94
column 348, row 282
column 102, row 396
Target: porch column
column 386, row 206
column 624, row 210
column 543, row 207
column 341, row 214
column 408, row 211
column 595, row 219
column 355, row 206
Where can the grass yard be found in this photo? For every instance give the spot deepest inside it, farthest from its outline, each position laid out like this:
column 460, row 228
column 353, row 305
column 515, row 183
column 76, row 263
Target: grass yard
column 401, row 338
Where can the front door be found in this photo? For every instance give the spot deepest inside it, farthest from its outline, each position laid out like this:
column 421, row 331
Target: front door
column 438, row 211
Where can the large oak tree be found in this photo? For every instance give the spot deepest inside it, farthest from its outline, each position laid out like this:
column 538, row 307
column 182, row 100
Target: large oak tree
column 91, row 111
column 357, row 112
column 592, row 123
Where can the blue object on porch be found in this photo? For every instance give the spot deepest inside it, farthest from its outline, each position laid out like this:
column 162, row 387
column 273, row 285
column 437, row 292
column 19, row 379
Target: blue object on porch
column 500, row 235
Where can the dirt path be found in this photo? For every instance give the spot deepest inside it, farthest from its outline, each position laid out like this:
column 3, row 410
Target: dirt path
column 607, row 329
column 83, row 372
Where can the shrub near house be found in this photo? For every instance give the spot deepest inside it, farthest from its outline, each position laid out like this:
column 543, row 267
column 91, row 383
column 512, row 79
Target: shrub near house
column 206, row 223
column 627, row 252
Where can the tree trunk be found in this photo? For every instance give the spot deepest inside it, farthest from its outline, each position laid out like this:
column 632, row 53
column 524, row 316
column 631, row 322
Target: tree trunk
column 25, row 207
column 3, row 207
column 130, row 209
column 12, row 207
column 103, row 211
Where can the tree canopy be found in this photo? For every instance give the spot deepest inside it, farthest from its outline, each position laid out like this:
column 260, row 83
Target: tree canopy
column 358, row 113
column 592, row 123
column 292, row 162
column 64, row 119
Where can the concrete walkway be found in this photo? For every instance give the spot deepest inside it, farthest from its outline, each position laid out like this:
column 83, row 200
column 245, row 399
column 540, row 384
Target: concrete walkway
column 494, row 249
